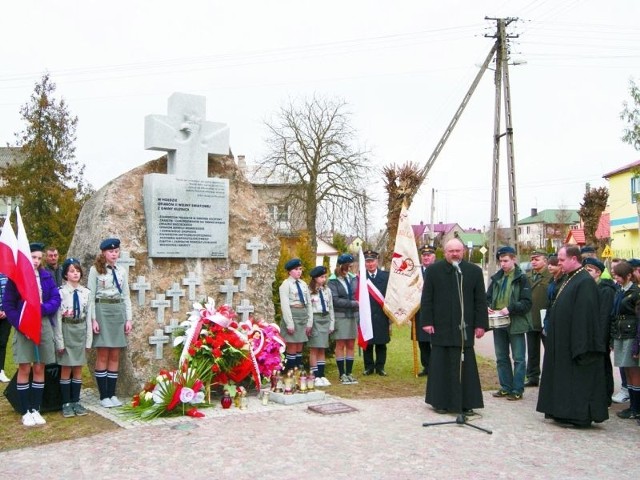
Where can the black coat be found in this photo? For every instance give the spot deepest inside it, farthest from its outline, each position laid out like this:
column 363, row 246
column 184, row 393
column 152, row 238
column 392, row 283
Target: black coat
column 379, row 319
column 573, row 385
column 421, row 334
column 440, row 305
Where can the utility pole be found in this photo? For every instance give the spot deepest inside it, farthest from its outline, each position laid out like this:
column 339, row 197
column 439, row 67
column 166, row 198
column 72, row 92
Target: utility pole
column 502, row 87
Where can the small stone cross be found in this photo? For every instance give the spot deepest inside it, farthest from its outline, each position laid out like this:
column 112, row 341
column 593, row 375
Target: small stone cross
column 175, row 292
column 160, row 303
column 172, row 327
column 229, row 288
column 243, row 272
column 245, row 308
column 191, row 281
column 186, row 136
column 125, row 261
column 255, row 245
column 159, row 339
column 141, row 285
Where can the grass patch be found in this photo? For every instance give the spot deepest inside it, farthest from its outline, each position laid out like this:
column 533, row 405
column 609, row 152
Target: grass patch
column 401, row 382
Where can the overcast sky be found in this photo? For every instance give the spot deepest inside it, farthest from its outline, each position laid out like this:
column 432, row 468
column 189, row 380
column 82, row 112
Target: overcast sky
column 403, row 68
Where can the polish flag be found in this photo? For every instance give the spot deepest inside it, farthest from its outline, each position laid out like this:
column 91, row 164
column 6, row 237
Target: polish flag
column 15, row 263
column 365, row 327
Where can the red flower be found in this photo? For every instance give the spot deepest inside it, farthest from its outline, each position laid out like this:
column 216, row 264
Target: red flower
column 135, row 401
column 240, row 371
column 217, row 352
column 192, row 351
column 175, row 399
column 215, row 368
column 195, row 413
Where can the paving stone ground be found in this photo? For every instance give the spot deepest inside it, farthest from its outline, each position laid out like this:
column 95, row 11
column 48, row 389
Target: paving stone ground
column 383, row 439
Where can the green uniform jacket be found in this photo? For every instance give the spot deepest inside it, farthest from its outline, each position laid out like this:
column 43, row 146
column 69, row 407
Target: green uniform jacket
column 519, row 301
column 539, row 296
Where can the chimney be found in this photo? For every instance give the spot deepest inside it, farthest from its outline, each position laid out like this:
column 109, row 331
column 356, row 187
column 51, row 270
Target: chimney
column 534, row 211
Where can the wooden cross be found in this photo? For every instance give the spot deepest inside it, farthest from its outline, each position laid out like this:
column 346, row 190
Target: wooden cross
column 255, row 245
column 229, row 288
column 125, row 261
column 186, row 136
column 175, row 292
column 243, row 272
column 245, row 308
column 172, row 327
column 159, row 339
column 160, row 303
column 191, row 281
column 141, row 285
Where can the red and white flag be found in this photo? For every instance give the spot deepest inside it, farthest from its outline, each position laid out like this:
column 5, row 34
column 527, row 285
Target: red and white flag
column 404, row 289
column 365, row 327
column 15, row 263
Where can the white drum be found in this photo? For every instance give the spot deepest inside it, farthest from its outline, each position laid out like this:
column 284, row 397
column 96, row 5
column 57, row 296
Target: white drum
column 499, row 321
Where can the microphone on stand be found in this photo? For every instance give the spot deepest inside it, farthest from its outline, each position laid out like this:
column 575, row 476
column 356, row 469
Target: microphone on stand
column 456, row 265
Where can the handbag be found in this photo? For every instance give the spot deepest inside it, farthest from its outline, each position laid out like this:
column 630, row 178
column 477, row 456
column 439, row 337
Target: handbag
column 51, row 398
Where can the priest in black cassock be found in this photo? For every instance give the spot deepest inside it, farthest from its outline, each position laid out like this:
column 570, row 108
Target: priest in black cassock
column 573, row 387
column 454, row 295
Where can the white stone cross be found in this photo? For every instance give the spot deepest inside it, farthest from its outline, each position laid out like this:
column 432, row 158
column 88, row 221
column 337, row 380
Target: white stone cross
column 125, row 261
column 172, row 327
column 141, row 285
column 160, row 303
column 186, row 136
column 159, row 339
column 229, row 288
column 255, row 245
column 245, row 308
column 243, row 272
column 192, row 281
column 175, row 292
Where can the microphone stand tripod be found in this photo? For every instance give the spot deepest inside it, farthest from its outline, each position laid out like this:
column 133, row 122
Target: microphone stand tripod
column 461, row 418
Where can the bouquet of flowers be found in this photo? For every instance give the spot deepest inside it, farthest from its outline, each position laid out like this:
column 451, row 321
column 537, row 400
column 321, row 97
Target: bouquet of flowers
column 214, row 349
column 267, row 346
column 175, row 392
column 212, row 344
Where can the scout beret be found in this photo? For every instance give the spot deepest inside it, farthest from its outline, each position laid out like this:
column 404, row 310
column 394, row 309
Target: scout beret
column 70, row 261
column 370, row 254
column 427, row 249
column 634, row 262
column 595, row 262
column 505, row 251
column 318, row 271
column 587, row 249
column 293, row 263
column 110, row 244
column 36, row 247
column 345, row 258
column 538, row 253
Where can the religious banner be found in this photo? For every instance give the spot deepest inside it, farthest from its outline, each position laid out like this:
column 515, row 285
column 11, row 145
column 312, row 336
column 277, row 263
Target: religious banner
column 405, row 279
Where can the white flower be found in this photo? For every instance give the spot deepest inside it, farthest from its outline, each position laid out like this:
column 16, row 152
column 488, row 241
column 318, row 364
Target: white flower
column 158, row 394
column 198, row 398
column 187, row 394
column 148, row 396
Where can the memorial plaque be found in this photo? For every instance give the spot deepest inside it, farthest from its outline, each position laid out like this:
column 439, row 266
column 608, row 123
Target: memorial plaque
column 186, row 218
column 332, row 408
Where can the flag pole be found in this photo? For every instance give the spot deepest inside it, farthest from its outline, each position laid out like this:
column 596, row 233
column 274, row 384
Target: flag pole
column 414, row 345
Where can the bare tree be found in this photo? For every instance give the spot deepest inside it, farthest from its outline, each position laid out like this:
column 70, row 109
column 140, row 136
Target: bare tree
column 311, row 148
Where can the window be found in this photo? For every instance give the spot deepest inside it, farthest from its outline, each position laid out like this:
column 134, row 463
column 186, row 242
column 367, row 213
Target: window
column 279, row 213
column 635, row 189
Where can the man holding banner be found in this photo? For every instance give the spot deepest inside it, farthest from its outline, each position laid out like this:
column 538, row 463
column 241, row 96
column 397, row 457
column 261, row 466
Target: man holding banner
column 377, row 285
